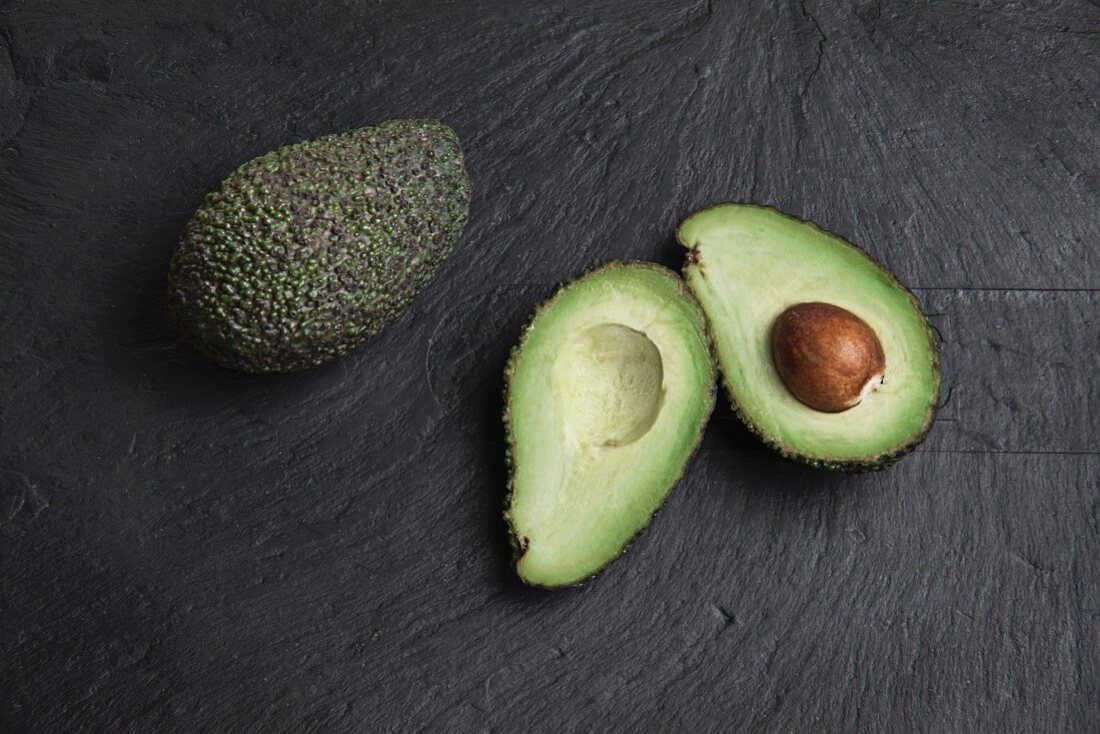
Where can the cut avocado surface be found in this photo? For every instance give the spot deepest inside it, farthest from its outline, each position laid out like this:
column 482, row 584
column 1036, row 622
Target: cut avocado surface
column 748, row 265
column 608, row 392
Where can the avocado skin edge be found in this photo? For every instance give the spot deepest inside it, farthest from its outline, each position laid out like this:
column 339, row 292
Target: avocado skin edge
column 515, row 540
column 693, row 259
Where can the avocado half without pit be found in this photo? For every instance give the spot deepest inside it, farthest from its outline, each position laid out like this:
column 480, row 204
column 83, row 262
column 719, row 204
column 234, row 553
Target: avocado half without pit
column 607, row 395
column 824, row 354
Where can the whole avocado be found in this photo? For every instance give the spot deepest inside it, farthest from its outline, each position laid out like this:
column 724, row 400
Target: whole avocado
column 304, row 253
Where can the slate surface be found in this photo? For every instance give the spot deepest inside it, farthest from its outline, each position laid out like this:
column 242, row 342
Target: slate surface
column 187, row 549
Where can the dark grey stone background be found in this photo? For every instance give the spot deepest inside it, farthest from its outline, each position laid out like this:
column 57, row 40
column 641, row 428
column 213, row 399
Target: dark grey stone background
column 185, row 548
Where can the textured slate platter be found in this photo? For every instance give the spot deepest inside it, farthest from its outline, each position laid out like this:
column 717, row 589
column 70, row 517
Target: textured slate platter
column 187, row 549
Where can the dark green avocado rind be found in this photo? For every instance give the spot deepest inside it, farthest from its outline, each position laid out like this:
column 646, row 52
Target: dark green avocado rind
column 302, row 254
column 693, row 259
column 517, row 542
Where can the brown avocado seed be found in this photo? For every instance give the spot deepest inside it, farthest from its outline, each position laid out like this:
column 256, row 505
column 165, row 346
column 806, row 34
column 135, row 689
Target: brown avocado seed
column 828, row 357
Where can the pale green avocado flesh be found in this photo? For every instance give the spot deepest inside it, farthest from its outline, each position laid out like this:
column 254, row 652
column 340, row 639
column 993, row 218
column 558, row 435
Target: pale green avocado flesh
column 746, row 264
column 608, row 392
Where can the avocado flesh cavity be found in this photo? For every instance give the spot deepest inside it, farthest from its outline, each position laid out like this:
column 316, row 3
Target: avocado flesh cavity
column 747, row 264
column 304, row 253
column 608, row 392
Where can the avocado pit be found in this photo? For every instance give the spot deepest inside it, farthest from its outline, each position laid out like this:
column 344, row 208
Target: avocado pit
column 829, row 358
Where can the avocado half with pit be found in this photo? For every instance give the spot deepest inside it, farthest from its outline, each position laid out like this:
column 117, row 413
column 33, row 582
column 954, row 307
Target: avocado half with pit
column 824, row 354
column 607, row 395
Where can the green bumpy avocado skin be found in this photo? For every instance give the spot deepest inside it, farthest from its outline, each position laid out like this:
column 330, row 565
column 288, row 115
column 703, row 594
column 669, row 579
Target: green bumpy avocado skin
column 303, row 254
